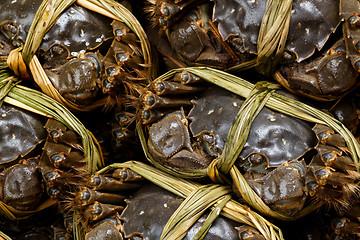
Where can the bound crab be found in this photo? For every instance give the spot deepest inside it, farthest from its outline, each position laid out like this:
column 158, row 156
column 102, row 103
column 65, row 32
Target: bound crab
column 99, row 58
column 62, row 162
column 347, row 224
column 25, row 172
column 42, row 164
column 183, row 136
column 21, row 186
column 316, row 54
column 115, row 216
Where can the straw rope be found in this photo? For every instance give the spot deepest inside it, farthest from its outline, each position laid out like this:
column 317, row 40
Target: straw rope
column 16, row 63
column 257, row 96
column 272, row 37
column 23, row 60
column 199, row 198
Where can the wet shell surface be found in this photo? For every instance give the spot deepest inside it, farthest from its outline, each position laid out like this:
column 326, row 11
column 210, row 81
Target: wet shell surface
column 21, row 131
column 150, row 208
column 312, row 22
column 77, row 28
column 281, row 138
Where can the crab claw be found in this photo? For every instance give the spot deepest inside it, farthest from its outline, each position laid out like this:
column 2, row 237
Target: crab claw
column 20, row 186
column 107, row 229
column 127, row 175
column 88, row 196
column 275, row 190
column 326, row 135
column 100, row 182
column 99, row 210
column 161, row 87
column 343, row 226
column 319, row 180
column 332, row 157
column 319, row 79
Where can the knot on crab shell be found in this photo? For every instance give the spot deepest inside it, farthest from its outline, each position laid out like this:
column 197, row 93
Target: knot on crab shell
column 16, row 63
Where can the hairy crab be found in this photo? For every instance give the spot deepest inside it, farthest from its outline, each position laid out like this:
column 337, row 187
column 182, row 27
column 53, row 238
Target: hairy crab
column 311, row 61
column 96, row 59
column 21, row 186
column 22, row 135
column 22, row 131
column 109, row 218
column 62, row 162
column 285, row 160
column 347, row 224
column 100, row 201
column 34, row 169
column 24, row 172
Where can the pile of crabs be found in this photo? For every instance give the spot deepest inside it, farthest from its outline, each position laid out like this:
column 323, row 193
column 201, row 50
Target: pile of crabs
column 154, row 93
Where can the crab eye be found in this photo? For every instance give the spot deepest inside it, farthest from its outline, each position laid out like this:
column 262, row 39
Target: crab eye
column 120, row 32
column 209, row 138
column 329, row 157
column 111, row 71
column 339, row 224
column 256, row 158
column 322, row 175
column 107, row 85
column 246, row 235
column 185, row 77
column 165, row 10
column 118, row 134
column 49, row 176
column 324, row 135
column 10, row 30
column 56, row 49
column 122, row 118
column 123, row 175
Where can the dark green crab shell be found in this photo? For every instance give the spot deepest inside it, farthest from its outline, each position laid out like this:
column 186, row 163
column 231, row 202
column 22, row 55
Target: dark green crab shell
column 151, row 207
column 21, row 131
column 77, row 28
column 312, row 22
column 280, row 138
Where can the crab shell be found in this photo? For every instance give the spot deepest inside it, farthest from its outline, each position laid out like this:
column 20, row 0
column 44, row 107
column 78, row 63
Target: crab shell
column 21, row 186
column 150, row 208
column 312, row 22
column 77, row 28
column 280, row 138
column 22, row 131
column 319, row 77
